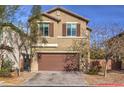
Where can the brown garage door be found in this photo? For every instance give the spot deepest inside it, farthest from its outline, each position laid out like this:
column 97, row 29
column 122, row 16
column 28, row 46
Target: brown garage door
column 58, row 62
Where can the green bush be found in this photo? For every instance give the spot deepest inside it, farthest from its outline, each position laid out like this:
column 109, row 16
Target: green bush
column 5, row 73
column 7, row 65
column 94, row 70
column 6, row 68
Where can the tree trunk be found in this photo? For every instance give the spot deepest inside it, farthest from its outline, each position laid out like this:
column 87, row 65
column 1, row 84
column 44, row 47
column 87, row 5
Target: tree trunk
column 105, row 69
column 18, row 70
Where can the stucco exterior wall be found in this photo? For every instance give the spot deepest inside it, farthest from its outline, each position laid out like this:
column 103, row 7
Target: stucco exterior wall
column 68, row 18
column 63, row 43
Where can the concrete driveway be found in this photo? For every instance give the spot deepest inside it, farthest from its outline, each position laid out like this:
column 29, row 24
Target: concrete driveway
column 56, row 79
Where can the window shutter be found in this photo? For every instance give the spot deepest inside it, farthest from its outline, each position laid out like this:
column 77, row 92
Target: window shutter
column 78, row 29
column 51, row 29
column 64, row 29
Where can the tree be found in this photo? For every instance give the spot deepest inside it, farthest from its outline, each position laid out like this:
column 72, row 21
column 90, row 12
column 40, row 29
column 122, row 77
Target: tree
column 83, row 48
column 25, row 42
column 111, row 47
column 7, row 12
column 36, row 10
column 96, row 52
column 36, row 37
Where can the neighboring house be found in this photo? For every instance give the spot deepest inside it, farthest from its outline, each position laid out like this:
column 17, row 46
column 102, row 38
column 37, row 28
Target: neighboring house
column 9, row 37
column 11, row 45
column 117, row 44
column 60, row 28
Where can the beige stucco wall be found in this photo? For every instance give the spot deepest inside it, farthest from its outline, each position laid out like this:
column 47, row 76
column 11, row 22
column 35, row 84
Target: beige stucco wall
column 68, row 18
column 63, row 42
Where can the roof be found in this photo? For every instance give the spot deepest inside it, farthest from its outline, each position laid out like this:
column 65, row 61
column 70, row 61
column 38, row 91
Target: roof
column 122, row 33
column 44, row 14
column 15, row 28
column 12, row 26
column 89, row 28
column 69, row 12
column 116, row 37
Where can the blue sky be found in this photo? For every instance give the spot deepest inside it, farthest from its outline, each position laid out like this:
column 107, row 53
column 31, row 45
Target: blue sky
column 97, row 14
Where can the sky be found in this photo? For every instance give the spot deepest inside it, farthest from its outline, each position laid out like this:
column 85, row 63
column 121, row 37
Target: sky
column 96, row 14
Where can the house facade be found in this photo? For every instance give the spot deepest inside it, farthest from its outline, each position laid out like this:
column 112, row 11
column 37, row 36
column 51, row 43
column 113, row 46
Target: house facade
column 63, row 31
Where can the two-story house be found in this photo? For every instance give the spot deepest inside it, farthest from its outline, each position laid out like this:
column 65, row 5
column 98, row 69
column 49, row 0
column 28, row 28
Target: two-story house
column 60, row 28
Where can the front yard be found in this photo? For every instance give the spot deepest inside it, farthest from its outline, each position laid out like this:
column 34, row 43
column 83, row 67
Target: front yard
column 14, row 80
column 114, row 78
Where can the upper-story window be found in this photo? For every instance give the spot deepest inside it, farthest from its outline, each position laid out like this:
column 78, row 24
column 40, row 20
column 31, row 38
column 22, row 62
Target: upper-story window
column 44, row 28
column 71, row 29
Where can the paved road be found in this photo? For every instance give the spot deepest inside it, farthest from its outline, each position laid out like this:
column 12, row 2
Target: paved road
column 56, row 79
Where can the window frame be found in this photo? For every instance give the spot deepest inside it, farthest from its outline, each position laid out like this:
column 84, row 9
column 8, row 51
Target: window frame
column 42, row 29
column 71, row 35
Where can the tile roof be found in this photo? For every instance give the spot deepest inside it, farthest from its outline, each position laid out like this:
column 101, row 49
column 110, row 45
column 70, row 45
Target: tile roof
column 44, row 14
column 69, row 12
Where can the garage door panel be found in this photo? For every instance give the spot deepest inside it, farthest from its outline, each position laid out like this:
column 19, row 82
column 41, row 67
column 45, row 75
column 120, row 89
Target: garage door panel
column 56, row 62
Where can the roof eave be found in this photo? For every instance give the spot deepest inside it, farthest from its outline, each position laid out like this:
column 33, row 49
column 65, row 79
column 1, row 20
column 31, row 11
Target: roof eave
column 67, row 11
column 11, row 25
column 88, row 28
column 44, row 14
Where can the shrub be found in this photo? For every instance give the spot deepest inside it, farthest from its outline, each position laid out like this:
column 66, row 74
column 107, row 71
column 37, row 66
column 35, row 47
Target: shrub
column 94, row 70
column 5, row 73
column 6, row 68
column 7, row 64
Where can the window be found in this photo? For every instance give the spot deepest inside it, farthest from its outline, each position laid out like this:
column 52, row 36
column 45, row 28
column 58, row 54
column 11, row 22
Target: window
column 71, row 29
column 44, row 28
